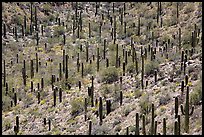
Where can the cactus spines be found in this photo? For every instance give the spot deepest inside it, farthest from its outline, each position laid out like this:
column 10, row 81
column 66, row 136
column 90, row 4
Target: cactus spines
column 100, row 110
column 164, row 126
column 121, row 98
column 60, row 95
column 38, row 97
column 137, row 124
column 90, row 126
column 185, row 111
column 143, row 125
column 176, row 107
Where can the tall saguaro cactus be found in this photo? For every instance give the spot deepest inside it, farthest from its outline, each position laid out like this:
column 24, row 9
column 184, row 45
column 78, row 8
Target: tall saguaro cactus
column 4, row 73
column 90, row 126
column 152, row 121
column 185, row 111
column 31, row 69
column 85, row 108
column 142, row 75
column 143, row 125
column 97, row 58
column 164, row 126
column 60, row 95
column 100, row 110
column 137, row 124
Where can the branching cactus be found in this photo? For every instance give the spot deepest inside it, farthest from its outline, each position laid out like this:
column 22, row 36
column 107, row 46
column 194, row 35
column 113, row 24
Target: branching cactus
column 100, row 110
column 143, row 125
column 185, row 111
column 164, row 126
column 137, row 124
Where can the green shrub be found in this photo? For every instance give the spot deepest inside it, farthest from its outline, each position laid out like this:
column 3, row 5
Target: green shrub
column 109, row 75
column 131, row 67
column 77, row 106
column 105, row 89
column 58, row 30
column 150, row 66
column 145, row 104
column 196, row 94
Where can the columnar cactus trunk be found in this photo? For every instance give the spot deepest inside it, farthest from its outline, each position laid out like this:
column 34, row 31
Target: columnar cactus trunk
column 82, row 69
column 142, row 75
column 116, row 65
column 89, row 30
column 85, row 109
column 97, row 58
column 31, row 86
column 23, row 31
column 121, row 97
column 176, row 127
column 155, row 128
column 42, row 30
column 16, row 34
column 186, row 79
column 137, row 124
column 90, row 126
column 49, row 122
column 179, row 38
column 176, row 107
column 185, row 111
column 44, row 121
column 143, row 125
column 152, row 121
column 36, row 54
column 164, row 126
column 55, row 97
column 4, row 73
column 4, row 30
column 107, row 63
column 66, row 68
column 177, row 11
column 60, row 71
column 127, row 130
column 108, row 106
column 36, row 25
column 17, row 123
column 37, row 39
column 15, row 98
column 63, row 61
column 125, row 24
column 138, row 30
column 31, row 69
column 79, row 85
column 100, row 110
column 38, row 97
column 179, row 125
column 104, row 49
column 87, row 53
column 60, row 95
column 126, row 57
column 155, row 78
column 124, row 68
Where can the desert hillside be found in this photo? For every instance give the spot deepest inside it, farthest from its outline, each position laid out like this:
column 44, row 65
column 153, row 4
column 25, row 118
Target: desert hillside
column 101, row 68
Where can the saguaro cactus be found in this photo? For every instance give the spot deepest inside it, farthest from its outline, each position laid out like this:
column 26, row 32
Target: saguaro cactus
column 108, row 106
column 38, row 97
column 121, row 98
column 137, row 124
column 152, row 121
column 31, row 69
column 143, row 125
column 138, row 30
column 127, row 130
column 36, row 54
column 85, row 109
column 60, row 71
column 176, row 107
column 100, row 110
column 17, row 123
column 4, row 30
column 89, row 30
column 97, row 58
column 66, row 68
column 44, row 121
column 15, row 98
column 64, row 39
column 60, row 95
column 186, row 79
column 124, row 68
column 155, row 128
column 185, row 111
column 142, row 75
column 176, row 127
column 104, row 49
column 49, row 124
column 82, row 69
column 54, row 94
column 4, row 73
column 164, row 126
column 90, row 126
column 155, row 74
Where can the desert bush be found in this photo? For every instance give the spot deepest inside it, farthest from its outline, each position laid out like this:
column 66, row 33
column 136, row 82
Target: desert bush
column 150, row 66
column 105, row 89
column 77, row 106
column 127, row 110
column 58, row 30
column 131, row 67
column 189, row 8
column 101, row 130
column 164, row 98
column 145, row 104
column 196, row 94
column 109, row 75
column 88, row 69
